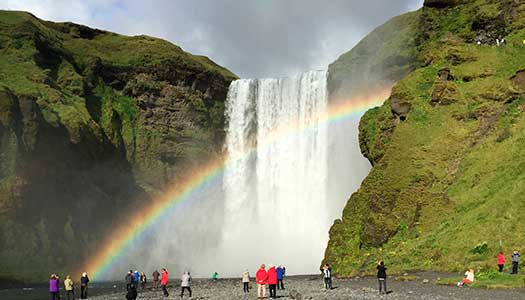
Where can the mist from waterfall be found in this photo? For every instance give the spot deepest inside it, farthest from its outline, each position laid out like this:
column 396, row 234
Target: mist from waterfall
column 287, row 178
column 278, row 202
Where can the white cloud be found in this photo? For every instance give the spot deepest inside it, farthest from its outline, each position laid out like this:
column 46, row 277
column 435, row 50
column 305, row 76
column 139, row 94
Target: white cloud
column 251, row 38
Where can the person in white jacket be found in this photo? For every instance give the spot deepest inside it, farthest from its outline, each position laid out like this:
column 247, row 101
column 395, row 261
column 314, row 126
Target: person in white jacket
column 246, row 281
column 469, row 278
column 185, row 284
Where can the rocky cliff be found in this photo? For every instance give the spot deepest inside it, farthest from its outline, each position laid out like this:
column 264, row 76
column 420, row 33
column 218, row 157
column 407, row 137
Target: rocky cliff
column 447, row 187
column 92, row 125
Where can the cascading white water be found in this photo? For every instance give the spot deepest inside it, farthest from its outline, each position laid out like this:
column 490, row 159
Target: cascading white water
column 276, row 178
column 288, row 175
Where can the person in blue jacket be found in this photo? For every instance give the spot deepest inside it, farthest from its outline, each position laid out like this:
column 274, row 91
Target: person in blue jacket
column 280, row 276
column 136, row 277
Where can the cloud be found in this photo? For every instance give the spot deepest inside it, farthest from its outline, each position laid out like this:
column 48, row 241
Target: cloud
column 253, row 38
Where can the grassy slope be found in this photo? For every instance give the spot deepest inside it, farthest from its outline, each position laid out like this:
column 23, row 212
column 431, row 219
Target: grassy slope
column 448, row 179
column 383, row 57
column 89, row 120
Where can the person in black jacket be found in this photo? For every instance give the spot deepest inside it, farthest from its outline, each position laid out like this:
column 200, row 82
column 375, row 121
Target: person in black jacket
column 381, row 276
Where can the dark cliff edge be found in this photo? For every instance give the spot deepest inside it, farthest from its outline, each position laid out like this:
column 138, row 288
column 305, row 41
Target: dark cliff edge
column 92, row 124
column 447, row 184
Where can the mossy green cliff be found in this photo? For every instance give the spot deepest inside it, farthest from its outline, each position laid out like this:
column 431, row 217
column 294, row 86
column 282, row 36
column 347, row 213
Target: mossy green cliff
column 91, row 124
column 447, row 186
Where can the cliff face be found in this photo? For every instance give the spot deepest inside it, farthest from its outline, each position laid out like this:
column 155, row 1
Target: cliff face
column 92, row 125
column 447, row 148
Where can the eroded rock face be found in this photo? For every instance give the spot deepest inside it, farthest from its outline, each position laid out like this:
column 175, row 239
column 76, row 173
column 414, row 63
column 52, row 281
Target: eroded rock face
column 518, row 80
column 440, row 3
column 400, row 106
column 445, row 90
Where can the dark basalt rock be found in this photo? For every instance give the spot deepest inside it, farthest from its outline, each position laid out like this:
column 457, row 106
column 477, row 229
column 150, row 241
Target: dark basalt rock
column 440, row 3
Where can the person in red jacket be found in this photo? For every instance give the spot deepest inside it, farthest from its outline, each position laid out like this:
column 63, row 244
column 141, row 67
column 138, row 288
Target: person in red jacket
column 501, row 261
column 272, row 281
column 164, row 281
column 261, row 277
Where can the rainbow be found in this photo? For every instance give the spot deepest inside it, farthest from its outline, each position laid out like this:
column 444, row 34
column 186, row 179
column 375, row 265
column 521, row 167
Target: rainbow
column 205, row 175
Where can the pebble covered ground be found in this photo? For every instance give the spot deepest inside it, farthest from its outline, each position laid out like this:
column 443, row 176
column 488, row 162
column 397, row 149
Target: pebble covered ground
column 311, row 287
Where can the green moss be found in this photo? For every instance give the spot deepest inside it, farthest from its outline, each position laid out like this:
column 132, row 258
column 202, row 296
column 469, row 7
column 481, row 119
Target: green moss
column 129, row 114
column 445, row 188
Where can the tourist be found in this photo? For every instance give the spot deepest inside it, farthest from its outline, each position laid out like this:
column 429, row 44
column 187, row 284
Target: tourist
column 68, row 286
column 469, row 278
column 515, row 261
column 214, row 276
column 246, row 281
column 261, row 277
column 84, row 280
column 327, row 276
column 53, row 287
column 156, row 276
column 272, row 281
column 129, row 280
column 143, row 280
column 381, row 276
column 136, row 277
column 132, row 292
column 185, row 284
column 501, row 261
column 164, row 281
column 280, row 277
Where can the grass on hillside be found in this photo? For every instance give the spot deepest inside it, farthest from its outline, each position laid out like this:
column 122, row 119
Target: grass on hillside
column 489, row 280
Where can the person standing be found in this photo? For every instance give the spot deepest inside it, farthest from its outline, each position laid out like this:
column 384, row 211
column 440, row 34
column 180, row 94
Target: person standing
column 84, row 281
column 381, row 276
column 272, row 281
column 327, row 276
column 280, row 277
column 129, row 280
column 261, row 277
column 214, row 276
column 515, row 261
column 68, row 286
column 246, row 281
column 53, row 287
column 501, row 261
column 156, row 276
column 136, row 277
column 185, row 284
column 164, row 281
column 143, row 280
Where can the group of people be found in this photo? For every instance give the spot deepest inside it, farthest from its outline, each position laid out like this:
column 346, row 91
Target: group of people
column 515, row 261
column 133, row 279
column 515, row 257
column 273, row 277
column 69, row 287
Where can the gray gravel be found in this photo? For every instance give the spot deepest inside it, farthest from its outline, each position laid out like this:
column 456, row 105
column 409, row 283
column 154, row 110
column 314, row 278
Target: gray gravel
column 311, row 287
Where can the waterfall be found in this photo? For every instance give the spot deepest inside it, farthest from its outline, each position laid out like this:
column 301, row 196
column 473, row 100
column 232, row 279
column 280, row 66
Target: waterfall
column 275, row 183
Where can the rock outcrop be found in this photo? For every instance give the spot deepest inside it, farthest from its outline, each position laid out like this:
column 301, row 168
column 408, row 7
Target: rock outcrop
column 446, row 148
column 92, row 126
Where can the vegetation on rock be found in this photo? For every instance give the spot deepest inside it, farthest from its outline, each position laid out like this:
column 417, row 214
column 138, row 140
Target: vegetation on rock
column 447, row 148
column 91, row 123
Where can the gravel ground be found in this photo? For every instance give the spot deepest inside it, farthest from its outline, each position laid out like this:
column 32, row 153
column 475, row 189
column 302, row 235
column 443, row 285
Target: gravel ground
column 311, row 287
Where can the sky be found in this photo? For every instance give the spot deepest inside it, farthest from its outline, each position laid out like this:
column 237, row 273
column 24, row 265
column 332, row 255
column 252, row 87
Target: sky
column 252, row 38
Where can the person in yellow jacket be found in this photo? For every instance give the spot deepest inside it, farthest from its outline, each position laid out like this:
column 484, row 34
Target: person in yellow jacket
column 68, row 286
